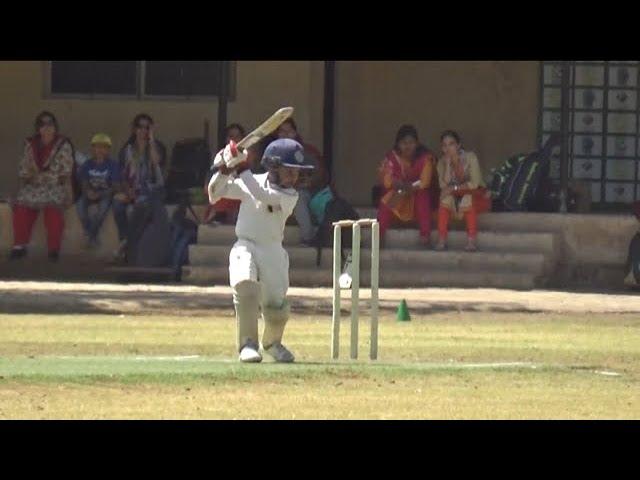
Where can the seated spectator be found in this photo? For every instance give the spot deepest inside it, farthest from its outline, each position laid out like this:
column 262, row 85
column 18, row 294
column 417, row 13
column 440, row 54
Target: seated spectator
column 225, row 210
column 462, row 192
column 142, row 144
column 406, row 178
column 142, row 159
column 45, row 184
column 308, row 185
column 235, row 132
column 99, row 177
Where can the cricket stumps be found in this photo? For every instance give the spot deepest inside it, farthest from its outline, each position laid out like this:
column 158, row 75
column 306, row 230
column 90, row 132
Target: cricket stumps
column 355, row 225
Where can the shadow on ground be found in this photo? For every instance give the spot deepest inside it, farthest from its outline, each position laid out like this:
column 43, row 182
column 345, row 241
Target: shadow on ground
column 144, row 302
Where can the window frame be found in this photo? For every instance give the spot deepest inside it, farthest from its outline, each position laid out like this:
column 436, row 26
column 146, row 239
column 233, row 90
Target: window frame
column 604, row 179
column 140, row 95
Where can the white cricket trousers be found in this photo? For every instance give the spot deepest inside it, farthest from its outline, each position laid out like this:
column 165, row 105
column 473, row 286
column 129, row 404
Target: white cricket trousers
column 267, row 264
column 259, row 277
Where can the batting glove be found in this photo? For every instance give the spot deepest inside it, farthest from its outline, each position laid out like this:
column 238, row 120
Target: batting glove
column 233, row 156
column 218, row 161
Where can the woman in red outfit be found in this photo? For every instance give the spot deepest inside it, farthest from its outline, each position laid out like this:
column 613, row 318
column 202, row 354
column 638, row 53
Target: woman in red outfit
column 45, row 184
column 406, row 178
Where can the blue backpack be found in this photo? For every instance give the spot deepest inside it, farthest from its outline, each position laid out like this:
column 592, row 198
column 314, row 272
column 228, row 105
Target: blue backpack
column 336, row 209
column 318, row 204
column 184, row 232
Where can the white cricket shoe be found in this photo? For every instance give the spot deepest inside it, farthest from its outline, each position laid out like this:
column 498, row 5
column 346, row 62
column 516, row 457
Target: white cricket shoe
column 250, row 354
column 280, row 353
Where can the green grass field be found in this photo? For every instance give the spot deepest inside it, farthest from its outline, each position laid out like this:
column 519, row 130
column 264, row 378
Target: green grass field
column 443, row 366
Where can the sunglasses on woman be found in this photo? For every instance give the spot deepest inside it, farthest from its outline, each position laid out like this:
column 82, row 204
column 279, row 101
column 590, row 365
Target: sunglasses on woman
column 45, row 123
column 143, row 126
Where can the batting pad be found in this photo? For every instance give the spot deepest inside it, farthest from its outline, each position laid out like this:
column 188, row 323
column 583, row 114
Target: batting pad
column 246, row 300
column 275, row 319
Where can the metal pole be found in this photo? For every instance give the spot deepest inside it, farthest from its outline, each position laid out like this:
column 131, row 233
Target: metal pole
column 328, row 114
column 337, row 270
column 223, row 97
column 564, row 132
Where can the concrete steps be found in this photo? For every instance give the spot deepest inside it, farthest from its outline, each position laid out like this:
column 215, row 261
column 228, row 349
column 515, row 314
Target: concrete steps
column 396, row 278
column 488, row 241
column 304, row 257
column 507, row 257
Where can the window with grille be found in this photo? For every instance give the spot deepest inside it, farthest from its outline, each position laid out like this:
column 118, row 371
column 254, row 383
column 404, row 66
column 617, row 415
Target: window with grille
column 604, row 118
column 94, row 78
column 161, row 79
column 186, row 79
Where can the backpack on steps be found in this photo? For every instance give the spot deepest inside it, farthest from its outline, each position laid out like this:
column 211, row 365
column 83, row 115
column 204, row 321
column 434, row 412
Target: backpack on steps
column 189, row 166
column 500, row 179
column 523, row 185
column 632, row 269
column 184, row 232
column 514, row 186
column 336, row 209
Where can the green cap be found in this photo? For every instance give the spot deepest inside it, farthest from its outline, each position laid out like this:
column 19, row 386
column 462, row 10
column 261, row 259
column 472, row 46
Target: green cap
column 101, row 139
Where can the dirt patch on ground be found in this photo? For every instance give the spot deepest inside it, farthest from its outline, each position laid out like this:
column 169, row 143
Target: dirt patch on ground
column 68, row 297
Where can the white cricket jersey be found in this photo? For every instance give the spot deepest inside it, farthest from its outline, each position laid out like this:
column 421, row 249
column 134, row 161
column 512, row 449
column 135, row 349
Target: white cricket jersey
column 264, row 208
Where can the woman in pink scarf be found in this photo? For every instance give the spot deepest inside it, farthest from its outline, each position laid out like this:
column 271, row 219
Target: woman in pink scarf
column 45, row 184
column 406, row 178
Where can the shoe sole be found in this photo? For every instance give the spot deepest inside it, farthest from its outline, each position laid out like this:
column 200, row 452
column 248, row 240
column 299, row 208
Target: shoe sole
column 267, row 352
column 280, row 361
column 251, row 360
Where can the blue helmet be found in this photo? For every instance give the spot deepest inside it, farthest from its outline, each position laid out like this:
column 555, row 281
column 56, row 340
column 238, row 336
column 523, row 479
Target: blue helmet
column 285, row 152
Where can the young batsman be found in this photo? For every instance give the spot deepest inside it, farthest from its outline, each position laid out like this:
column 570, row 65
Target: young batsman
column 258, row 264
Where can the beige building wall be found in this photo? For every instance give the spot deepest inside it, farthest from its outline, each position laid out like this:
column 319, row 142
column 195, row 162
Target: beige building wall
column 493, row 105
column 261, row 88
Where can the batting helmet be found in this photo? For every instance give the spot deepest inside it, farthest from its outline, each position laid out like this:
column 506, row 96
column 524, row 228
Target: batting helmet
column 285, row 152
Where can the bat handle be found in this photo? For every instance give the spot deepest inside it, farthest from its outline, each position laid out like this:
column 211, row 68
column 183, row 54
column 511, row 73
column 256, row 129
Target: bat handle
column 234, row 148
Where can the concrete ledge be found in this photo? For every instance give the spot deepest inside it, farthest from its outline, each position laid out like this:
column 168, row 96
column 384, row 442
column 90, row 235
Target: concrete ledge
column 591, row 248
column 586, row 238
column 72, row 238
column 590, row 239
column 414, row 279
column 488, row 241
column 399, row 259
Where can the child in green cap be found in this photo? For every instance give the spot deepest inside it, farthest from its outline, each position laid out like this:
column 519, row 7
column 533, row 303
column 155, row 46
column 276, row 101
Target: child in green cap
column 99, row 178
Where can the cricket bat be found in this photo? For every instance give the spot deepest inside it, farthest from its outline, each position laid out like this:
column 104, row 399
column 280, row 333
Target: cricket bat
column 267, row 127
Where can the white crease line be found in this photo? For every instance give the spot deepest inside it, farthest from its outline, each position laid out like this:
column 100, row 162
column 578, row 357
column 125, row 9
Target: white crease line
column 608, row 374
column 151, row 358
column 499, row 364
column 178, row 358
column 488, row 365
column 115, row 357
